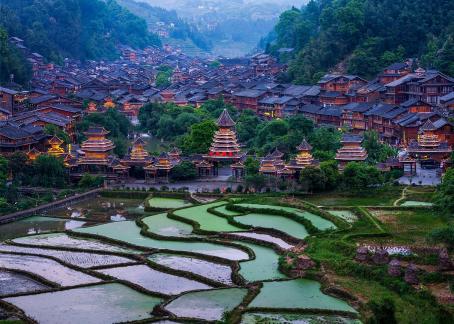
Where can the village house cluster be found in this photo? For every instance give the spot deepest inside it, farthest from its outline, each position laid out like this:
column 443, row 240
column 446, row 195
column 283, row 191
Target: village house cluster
column 408, row 107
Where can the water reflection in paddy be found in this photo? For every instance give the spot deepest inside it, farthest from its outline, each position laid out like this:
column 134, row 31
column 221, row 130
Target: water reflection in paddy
column 46, row 268
column 129, row 232
column 153, row 280
column 211, row 270
column 106, row 303
column 14, row 283
column 36, row 225
column 103, row 209
column 207, row 305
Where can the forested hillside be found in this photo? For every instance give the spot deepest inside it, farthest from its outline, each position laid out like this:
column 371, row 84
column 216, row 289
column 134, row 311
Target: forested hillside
column 12, row 62
column 363, row 36
column 82, row 29
column 181, row 30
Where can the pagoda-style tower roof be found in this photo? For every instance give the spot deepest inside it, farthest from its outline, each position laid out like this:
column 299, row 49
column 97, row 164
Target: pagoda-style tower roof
column 304, row 156
column 304, row 146
column 96, row 131
column 427, row 126
column 225, row 120
column 55, row 148
column 139, row 141
column 96, row 147
column 267, row 165
column 351, row 150
column 138, row 154
column 225, row 144
column 164, row 162
column 351, row 138
column 33, row 154
column 55, row 141
column 276, row 154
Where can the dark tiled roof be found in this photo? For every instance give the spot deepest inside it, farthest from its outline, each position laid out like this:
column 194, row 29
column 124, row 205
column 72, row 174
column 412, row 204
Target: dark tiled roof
column 304, row 146
column 352, row 138
column 225, row 120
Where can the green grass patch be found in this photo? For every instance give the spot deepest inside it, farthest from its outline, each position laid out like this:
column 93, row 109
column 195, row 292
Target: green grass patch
column 371, row 197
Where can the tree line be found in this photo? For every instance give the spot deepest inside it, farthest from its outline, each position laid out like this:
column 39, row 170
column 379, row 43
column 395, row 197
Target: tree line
column 363, row 36
column 80, row 29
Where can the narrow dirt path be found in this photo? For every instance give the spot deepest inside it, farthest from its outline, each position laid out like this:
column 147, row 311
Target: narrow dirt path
column 402, row 197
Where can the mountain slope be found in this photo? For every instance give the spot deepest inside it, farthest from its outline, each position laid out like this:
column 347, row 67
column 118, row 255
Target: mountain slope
column 82, row 29
column 180, row 29
column 364, row 36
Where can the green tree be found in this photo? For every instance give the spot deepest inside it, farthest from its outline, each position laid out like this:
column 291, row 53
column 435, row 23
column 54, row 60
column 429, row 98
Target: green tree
column 257, row 181
column 443, row 235
column 90, row 181
column 12, row 62
column 57, row 131
column 359, row 176
column 331, row 172
column 3, row 171
column 444, row 196
column 183, row 171
column 325, row 141
column 377, row 152
column 313, row 179
column 246, row 127
column 199, row 138
column 49, row 172
column 383, row 311
column 251, row 166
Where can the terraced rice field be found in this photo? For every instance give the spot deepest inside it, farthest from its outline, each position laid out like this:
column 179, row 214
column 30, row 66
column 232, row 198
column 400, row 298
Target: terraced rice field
column 160, row 224
column 106, row 303
column 164, row 263
column 16, row 283
column 80, row 259
column 46, row 268
column 346, row 215
column 263, row 267
column 208, row 305
column 317, row 221
column 168, row 203
column 207, row 221
column 153, row 280
column 277, row 222
column 409, row 203
column 36, row 225
column 292, row 318
column 129, row 233
column 298, row 293
column 211, row 270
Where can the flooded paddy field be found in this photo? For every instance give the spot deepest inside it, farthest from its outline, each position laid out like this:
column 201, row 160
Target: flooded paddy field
column 45, row 268
column 206, row 220
column 207, row 305
column 211, row 270
column 292, row 318
column 317, row 221
column 153, row 280
column 129, row 232
column 113, row 267
column 168, row 203
column 162, row 225
column 103, row 209
column 266, row 238
column 80, row 259
column 106, row 303
column 36, row 225
column 15, row 283
column 298, row 293
column 280, row 223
